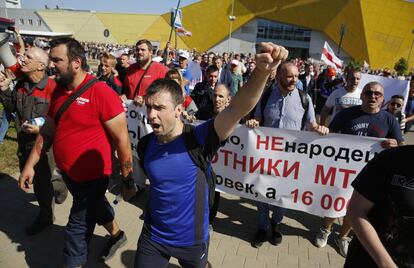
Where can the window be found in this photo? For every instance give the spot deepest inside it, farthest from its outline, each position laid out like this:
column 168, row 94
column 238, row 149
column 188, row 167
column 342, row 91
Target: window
column 21, row 21
column 39, row 22
column 30, row 21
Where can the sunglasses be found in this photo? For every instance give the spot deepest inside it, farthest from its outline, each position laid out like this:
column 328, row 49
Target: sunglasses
column 396, row 104
column 370, row 93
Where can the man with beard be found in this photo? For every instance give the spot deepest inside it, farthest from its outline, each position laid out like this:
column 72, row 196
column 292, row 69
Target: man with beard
column 284, row 108
column 142, row 73
column 82, row 140
column 30, row 99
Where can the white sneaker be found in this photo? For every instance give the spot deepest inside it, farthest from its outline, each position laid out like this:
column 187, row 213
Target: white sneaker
column 321, row 238
column 342, row 243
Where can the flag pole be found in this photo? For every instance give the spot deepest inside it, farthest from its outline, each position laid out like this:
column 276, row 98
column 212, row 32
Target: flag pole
column 175, row 16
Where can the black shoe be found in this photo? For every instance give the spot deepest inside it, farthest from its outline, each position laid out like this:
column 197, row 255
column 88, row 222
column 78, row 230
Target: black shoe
column 276, row 238
column 259, row 238
column 113, row 245
column 37, row 226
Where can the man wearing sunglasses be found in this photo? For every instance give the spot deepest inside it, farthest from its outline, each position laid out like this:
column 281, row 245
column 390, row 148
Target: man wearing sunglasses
column 395, row 107
column 369, row 120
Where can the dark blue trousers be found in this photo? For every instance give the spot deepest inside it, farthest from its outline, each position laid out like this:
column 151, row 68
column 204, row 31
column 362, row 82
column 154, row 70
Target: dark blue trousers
column 90, row 207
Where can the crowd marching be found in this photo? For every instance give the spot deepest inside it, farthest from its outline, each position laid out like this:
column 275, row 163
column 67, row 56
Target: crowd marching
column 57, row 101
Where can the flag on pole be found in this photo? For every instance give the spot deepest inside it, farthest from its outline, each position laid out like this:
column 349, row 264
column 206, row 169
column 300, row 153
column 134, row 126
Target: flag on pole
column 183, row 32
column 329, row 58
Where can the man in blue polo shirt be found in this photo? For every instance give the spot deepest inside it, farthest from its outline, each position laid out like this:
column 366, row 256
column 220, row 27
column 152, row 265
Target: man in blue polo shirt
column 176, row 223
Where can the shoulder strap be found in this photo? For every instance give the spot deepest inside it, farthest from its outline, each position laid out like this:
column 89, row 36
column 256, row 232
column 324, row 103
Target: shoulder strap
column 263, row 101
column 193, row 147
column 140, row 80
column 305, row 104
column 72, row 98
column 142, row 146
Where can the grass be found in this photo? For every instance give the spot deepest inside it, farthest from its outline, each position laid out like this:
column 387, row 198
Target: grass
column 9, row 162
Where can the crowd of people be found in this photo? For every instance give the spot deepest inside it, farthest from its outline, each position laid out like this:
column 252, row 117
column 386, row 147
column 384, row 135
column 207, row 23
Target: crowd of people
column 85, row 107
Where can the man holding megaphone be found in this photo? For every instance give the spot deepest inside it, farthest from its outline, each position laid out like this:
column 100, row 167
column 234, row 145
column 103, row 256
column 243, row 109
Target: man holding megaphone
column 30, row 101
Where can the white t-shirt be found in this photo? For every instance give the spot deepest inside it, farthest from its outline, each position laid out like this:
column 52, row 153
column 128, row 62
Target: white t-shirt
column 341, row 99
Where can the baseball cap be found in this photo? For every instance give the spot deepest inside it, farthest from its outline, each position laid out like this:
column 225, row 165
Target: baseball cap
column 234, row 62
column 183, row 54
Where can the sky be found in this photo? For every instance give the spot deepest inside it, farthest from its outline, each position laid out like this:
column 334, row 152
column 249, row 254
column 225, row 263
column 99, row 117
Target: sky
column 113, row 6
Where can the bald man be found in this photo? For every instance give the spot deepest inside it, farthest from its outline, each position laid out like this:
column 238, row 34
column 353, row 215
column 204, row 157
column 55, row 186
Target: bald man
column 30, row 100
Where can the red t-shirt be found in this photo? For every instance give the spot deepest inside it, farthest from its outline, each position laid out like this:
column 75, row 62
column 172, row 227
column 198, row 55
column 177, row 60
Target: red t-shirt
column 134, row 74
column 82, row 146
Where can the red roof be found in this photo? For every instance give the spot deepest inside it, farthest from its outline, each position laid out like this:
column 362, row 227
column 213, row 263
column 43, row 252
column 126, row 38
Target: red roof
column 6, row 20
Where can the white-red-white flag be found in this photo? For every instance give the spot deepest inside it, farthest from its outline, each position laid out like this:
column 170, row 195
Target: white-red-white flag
column 329, row 58
column 183, row 32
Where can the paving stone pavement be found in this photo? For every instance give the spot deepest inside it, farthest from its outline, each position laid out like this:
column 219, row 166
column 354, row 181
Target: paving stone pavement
column 229, row 246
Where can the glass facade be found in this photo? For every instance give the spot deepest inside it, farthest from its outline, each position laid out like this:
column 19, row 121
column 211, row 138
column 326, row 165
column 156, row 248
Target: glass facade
column 294, row 38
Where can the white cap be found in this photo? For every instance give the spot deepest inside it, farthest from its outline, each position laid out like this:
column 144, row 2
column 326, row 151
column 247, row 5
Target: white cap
column 234, row 62
column 183, row 54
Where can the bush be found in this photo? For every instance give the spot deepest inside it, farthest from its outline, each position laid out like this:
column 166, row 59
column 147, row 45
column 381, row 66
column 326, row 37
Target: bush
column 401, row 66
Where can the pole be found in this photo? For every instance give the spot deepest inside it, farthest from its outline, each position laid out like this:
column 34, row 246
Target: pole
column 175, row 15
column 231, row 18
column 342, row 32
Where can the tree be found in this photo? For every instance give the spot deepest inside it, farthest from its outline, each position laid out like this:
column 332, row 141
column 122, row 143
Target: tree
column 401, row 66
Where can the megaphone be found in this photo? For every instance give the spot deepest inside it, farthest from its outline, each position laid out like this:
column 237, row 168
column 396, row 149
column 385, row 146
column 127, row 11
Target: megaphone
column 6, row 56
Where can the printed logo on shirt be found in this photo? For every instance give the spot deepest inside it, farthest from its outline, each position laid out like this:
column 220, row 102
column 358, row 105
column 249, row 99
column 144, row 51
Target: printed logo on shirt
column 402, row 181
column 82, row 101
column 147, row 76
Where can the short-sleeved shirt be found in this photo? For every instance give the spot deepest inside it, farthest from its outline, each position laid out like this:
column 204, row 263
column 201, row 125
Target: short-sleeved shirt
column 388, row 182
column 355, row 121
column 178, row 209
column 82, row 146
column 341, row 99
column 285, row 112
column 134, row 74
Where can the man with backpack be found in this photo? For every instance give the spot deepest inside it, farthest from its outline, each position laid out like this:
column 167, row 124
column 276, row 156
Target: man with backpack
column 177, row 216
column 282, row 106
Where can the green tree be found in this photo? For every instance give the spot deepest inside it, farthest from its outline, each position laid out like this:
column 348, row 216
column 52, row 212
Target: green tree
column 401, row 66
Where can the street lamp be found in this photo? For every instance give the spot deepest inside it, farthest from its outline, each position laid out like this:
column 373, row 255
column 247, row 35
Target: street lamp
column 231, row 18
column 342, row 32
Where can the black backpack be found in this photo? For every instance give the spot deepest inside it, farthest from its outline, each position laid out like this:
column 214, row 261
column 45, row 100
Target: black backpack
column 196, row 154
column 303, row 99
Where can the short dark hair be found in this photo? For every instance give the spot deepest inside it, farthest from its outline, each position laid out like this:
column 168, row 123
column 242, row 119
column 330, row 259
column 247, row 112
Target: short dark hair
column 211, row 69
column 398, row 97
column 74, row 49
column 166, row 85
column 145, row 41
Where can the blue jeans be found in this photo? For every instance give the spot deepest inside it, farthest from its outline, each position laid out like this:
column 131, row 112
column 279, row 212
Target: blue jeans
column 90, row 207
column 5, row 121
column 263, row 215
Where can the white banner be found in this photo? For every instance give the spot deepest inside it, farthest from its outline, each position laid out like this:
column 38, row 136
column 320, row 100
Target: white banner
column 293, row 169
column 391, row 87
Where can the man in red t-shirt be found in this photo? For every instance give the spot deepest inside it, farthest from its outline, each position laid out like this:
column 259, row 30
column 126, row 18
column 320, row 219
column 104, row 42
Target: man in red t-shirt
column 142, row 73
column 82, row 141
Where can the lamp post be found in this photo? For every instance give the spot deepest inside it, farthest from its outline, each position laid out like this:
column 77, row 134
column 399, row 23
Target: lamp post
column 342, row 32
column 231, row 18
column 411, row 48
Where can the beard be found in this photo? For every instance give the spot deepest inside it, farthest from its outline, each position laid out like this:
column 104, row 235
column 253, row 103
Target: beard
column 65, row 79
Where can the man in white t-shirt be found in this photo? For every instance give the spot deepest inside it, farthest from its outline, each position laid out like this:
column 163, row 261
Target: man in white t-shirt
column 343, row 97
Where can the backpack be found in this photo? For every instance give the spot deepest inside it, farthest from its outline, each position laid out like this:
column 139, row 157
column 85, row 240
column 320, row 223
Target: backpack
column 303, row 99
column 196, row 154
